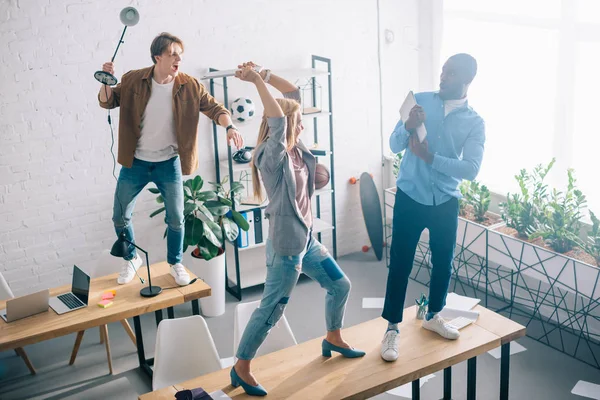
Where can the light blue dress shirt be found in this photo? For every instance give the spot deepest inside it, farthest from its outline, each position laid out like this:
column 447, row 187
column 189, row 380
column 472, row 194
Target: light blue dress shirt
column 457, row 142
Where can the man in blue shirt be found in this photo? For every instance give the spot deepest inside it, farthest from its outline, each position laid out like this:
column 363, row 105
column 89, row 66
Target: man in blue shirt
column 427, row 192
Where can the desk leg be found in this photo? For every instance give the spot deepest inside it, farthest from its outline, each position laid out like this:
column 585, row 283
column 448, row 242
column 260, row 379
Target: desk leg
column 504, row 370
column 416, row 390
column 159, row 316
column 195, row 307
column 472, row 378
column 139, row 341
column 448, row 383
column 170, row 313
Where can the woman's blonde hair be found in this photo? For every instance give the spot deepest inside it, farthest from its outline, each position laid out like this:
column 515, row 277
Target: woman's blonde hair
column 289, row 108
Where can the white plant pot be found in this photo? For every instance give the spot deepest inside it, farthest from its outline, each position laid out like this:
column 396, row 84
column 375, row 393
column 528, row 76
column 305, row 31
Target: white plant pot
column 213, row 273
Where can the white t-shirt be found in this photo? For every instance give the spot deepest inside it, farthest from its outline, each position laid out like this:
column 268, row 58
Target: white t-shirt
column 158, row 141
column 450, row 105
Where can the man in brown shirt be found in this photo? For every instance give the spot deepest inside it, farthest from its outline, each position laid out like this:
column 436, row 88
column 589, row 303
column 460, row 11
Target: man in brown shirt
column 158, row 130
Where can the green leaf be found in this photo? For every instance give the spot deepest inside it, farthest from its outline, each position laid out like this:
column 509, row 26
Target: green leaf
column 189, row 208
column 194, row 231
column 160, row 200
column 240, row 220
column 155, row 213
column 216, row 208
column 206, row 196
column 188, row 192
column 231, row 229
column 210, row 233
column 208, row 250
column 236, row 187
column 225, row 201
column 154, row 190
column 197, row 183
column 206, row 212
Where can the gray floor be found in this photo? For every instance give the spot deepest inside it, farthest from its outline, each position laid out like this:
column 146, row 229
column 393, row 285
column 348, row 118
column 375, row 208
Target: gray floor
column 538, row 373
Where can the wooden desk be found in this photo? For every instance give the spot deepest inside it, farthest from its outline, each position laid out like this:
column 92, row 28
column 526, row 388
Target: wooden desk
column 300, row 372
column 127, row 304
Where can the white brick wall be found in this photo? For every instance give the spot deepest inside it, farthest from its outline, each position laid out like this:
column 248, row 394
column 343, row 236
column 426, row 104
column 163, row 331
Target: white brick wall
column 56, row 185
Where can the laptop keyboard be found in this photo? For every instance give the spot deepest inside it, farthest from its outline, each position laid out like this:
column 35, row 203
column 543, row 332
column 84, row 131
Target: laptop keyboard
column 70, row 300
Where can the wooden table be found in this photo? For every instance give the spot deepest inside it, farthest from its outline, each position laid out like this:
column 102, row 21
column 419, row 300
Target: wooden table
column 127, row 304
column 300, row 372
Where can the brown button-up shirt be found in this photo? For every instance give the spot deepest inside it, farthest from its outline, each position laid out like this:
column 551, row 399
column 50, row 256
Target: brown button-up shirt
column 189, row 99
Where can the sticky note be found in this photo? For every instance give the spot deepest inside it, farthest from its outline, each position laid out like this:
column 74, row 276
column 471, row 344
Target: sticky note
column 108, row 296
column 114, row 292
column 105, row 303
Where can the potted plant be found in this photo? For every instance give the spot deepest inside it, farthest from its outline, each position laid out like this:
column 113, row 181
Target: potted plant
column 474, row 218
column 209, row 221
column 560, row 219
column 521, row 210
column 592, row 244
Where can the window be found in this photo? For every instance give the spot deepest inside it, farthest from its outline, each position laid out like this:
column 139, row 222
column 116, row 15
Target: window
column 537, row 85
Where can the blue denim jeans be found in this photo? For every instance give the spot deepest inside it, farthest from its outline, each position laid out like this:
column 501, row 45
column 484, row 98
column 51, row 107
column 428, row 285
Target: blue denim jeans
column 166, row 175
column 410, row 218
column 282, row 275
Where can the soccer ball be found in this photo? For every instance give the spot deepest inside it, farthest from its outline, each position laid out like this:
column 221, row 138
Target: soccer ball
column 242, row 109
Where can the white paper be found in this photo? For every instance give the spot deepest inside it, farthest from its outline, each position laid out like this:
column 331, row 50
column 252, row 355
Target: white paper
column 459, row 302
column 219, row 395
column 450, row 313
column 406, row 390
column 407, row 105
column 373, row 302
column 514, row 349
column 587, row 389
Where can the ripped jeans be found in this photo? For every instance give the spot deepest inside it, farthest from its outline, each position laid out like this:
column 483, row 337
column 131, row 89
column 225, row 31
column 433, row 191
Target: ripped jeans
column 282, row 275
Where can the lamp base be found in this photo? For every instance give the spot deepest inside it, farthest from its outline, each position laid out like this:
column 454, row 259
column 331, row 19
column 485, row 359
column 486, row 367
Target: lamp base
column 105, row 77
column 151, row 291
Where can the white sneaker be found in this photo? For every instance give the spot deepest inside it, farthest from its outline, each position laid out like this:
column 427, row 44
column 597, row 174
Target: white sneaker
column 440, row 326
column 180, row 274
column 129, row 269
column 389, row 345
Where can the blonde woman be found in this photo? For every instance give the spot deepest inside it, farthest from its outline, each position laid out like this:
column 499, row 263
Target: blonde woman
column 287, row 169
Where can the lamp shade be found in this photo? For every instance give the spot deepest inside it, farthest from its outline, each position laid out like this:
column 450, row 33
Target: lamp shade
column 129, row 16
column 120, row 248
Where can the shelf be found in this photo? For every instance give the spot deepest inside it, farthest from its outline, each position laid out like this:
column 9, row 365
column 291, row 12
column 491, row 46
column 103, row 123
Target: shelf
column 321, row 226
column 236, row 166
column 247, row 167
column 316, row 115
column 248, row 277
column 248, row 207
column 321, row 192
column 254, row 246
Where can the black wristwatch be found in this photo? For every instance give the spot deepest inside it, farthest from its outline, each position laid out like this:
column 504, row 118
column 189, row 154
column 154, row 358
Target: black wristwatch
column 232, row 126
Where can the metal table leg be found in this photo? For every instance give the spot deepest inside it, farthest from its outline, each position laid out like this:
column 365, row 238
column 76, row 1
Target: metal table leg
column 472, row 378
column 416, row 390
column 448, row 383
column 504, row 370
column 195, row 307
column 170, row 313
column 139, row 340
column 159, row 316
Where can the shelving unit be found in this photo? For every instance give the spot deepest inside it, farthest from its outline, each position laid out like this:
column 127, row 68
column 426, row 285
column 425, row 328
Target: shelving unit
column 240, row 275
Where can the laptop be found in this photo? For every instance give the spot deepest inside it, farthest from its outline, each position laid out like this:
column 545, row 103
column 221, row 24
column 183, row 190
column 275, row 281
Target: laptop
column 78, row 296
column 25, row 306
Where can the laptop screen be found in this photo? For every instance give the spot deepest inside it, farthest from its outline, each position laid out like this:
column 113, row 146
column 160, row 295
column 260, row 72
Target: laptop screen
column 81, row 284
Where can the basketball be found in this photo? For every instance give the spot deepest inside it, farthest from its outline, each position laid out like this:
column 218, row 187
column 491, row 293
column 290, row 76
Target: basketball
column 321, row 176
